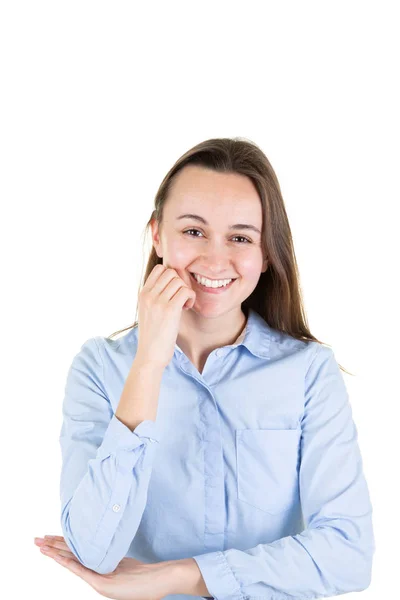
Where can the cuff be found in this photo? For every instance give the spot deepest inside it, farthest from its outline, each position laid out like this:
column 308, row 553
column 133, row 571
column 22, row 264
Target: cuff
column 218, row 576
column 119, row 437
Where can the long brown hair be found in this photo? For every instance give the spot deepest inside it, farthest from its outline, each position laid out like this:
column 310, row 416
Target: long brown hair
column 277, row 296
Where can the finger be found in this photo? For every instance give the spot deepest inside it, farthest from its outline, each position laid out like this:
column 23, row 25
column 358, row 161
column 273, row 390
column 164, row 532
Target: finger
column 164, row 281
column 182, row 296
column 60, row 545
column 68, row 555
column 54, row 553
column 154, row 275
column 48, row 539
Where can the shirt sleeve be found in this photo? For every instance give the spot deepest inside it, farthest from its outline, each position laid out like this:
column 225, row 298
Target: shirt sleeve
column 333, row 554
column 106, row 467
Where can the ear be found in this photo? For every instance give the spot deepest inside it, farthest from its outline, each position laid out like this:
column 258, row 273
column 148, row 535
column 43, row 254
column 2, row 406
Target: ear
column 265, row 265
column 155, row 234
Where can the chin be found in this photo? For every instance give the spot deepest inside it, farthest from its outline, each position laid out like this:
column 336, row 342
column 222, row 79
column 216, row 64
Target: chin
column 209, row 310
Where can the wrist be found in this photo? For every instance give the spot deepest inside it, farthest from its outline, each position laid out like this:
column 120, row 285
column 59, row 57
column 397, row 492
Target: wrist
column 185, row 578
column 144, row 362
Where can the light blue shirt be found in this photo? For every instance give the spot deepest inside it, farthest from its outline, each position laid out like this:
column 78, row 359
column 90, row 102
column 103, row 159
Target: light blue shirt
column 252, row 468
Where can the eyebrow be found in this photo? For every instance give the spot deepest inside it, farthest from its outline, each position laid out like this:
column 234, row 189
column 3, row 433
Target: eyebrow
column 237, row 226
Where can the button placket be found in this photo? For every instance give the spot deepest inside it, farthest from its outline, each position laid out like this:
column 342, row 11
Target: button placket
column 214, row 494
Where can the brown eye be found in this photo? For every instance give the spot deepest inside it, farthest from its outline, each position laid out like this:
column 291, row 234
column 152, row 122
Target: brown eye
column 236, row 236
column 243, row 238
column 187, row 231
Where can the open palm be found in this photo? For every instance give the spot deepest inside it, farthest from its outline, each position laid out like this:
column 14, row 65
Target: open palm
column 131, row 580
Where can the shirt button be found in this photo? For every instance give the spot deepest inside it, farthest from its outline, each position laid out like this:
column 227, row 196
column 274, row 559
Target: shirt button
column 116, row 507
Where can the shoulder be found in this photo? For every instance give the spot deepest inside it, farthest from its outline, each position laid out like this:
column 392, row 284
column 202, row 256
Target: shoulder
column 311, row 358
column 109, row 349
column 99, row 349
column 285, row 345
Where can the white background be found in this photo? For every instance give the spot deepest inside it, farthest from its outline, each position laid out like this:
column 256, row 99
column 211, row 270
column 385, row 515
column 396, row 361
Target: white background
column 98, row 101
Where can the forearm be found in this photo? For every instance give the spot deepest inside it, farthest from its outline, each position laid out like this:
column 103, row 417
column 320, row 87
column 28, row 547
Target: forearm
column 139, row 398
column 185, row 578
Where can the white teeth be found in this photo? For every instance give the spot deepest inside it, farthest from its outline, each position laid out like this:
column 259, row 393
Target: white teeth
column 209, row 283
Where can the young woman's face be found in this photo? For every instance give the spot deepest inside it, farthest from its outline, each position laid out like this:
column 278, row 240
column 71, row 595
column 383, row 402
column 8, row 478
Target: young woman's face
column 208, row 246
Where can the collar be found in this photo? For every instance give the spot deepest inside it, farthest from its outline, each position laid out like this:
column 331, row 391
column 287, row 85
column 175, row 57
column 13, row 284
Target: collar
column 256, row 336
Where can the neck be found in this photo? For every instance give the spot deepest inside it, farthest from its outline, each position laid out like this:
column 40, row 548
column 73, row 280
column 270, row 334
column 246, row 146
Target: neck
column 199, row 336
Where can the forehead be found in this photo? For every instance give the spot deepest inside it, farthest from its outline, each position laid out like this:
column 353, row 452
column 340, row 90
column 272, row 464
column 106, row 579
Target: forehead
column 199, row 190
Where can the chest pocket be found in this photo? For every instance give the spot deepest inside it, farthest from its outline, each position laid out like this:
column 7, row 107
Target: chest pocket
column 267, row 474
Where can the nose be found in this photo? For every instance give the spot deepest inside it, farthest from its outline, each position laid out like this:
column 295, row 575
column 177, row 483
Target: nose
column 217, row 259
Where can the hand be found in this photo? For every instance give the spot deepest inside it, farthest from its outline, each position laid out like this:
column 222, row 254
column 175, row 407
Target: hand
column 161, row 301
column 131, row 580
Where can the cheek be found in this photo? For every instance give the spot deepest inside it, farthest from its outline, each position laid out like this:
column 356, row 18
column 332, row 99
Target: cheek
column 250, row 267
column 180, row 255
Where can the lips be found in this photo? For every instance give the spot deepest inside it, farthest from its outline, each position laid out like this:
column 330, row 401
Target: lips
column 212, row 290
column 220, row 279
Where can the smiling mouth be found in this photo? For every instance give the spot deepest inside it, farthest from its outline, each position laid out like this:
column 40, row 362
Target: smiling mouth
column 213, row 289
column 222, row 279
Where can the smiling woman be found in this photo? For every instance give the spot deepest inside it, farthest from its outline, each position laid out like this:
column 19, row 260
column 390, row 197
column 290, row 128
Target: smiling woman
column 211, row 450
column 213, row 216
column 227, row 265
column 219, row 213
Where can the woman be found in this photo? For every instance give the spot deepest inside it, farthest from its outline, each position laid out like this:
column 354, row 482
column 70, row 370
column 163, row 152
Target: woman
column 211, row 450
